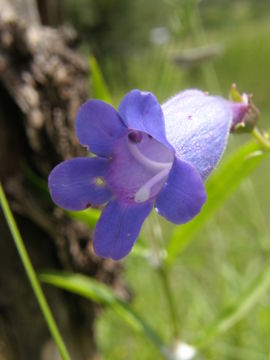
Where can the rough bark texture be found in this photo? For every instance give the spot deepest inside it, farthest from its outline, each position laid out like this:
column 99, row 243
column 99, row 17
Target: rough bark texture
column 42, row 83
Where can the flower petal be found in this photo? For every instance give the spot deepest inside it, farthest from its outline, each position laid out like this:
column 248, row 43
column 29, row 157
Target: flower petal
column 182, row 195
column 198, row 125
column 97, row 125
column 74, row 185
column 118, row 228
column 141, row 111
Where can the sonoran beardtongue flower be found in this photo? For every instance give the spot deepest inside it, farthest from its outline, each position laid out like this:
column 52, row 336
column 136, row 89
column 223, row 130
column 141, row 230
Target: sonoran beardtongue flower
column 146, row 155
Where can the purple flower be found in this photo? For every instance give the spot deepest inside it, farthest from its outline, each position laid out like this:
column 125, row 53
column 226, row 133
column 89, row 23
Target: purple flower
column 147, row 155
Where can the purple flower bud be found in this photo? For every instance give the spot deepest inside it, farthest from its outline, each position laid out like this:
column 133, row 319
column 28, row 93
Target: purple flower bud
column 146, row 155
column 239, row 110
column 245, row 113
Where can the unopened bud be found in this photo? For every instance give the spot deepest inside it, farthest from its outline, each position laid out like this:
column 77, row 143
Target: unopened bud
column 245, row 113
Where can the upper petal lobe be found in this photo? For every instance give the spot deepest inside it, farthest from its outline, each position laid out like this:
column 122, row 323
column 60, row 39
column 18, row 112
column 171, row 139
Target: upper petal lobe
column 141, row 111
column 97, row 126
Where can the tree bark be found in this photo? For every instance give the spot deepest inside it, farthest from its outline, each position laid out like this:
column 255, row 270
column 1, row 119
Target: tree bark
column 43, row 80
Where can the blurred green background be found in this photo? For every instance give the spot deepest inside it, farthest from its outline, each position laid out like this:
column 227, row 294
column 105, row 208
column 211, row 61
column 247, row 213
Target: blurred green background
column 165, row 46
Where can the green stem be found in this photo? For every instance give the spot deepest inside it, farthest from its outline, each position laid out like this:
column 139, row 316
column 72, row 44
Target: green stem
column 162, row 271
column 33, row 277
column 263, row 141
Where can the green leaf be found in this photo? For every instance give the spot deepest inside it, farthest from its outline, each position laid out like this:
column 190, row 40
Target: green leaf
column 101, row 294
column 98, row 85
column 234, row 313
column 223, row 182
column 89, row 216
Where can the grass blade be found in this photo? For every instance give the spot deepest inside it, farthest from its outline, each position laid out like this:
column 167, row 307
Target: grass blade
column 30, row 272
column 234, row 313
column 98, row 85
column 101, row 294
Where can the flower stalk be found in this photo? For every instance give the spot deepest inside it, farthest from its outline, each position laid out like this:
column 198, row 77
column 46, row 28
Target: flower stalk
column 164, row 277
column 162, row 271
column 261, row 138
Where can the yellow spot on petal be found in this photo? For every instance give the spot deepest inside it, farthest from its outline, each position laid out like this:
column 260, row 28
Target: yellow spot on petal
column 99, row 181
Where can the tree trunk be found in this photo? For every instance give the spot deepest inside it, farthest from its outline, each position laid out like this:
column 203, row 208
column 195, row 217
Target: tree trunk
column 43, row 81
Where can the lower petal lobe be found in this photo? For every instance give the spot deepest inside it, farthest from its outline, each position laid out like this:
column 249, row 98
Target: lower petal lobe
column 182, row 195
column 118, row 228
column 77, row 184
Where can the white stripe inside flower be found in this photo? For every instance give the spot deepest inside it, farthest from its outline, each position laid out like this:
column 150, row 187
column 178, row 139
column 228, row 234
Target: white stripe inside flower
column 163, row 168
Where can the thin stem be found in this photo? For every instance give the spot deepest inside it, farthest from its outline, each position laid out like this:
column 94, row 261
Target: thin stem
column 162, row 271
column 163, row 274
column 263, row 141
column 33, row 277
